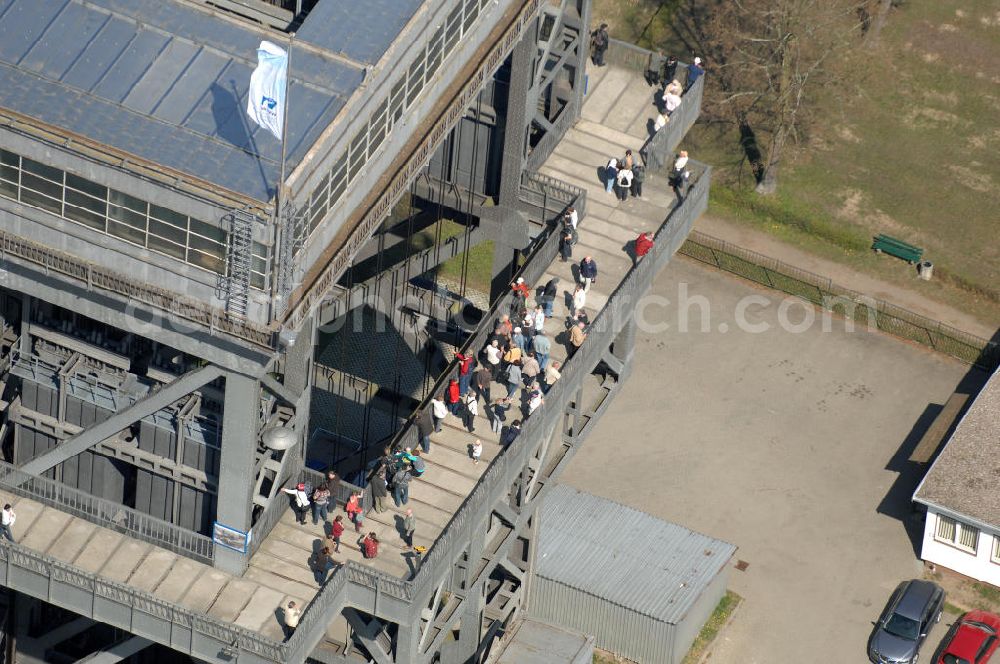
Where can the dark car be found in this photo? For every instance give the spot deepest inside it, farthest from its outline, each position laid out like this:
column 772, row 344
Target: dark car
column 901, row 629
column 972, row 640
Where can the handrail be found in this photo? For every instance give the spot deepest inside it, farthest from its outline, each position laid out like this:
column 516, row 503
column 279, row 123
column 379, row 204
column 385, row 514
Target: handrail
column 107, row 514
column 186, row 620
column 95, row 276
column 509, row 463
column 658, row 149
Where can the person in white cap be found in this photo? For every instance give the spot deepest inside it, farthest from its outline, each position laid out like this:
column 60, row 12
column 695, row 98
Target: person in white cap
column 695, row 70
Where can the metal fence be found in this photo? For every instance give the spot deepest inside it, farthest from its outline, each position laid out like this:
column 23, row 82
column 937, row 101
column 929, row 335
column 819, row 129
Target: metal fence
column 95, row 276
column 107, row 514
column 118, row 604
column 858, row 307
column 657, row 152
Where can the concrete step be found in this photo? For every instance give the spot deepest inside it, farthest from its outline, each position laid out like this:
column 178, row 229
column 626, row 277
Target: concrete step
column 594, row 75
column 202, row 592
column 127, row 556
column 178, row 579
column 615, row 134
column 454, row 480
column 99, row 548
column 232, row 599
column 273, row 579
column 47, row 528
column 457, row 461
column 438, row 497
column 73, row 537
column 152, row 570
column 459, row 440
column 612, row 85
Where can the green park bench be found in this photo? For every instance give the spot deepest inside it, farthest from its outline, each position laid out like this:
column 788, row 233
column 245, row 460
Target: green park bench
column 897, row 248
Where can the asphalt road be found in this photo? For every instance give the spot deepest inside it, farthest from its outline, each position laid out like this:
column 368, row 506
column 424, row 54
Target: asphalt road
column 790, row 443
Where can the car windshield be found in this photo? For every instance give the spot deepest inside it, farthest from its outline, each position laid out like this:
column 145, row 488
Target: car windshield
column 903, row 627
column 954, row 659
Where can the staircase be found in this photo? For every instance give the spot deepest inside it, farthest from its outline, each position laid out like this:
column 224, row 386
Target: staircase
column 239, row 259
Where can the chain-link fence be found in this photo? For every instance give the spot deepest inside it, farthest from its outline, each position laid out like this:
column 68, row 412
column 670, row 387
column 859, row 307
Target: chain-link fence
column 862, row 309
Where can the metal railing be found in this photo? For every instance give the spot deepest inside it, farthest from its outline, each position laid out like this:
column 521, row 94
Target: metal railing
column 658, row 149
column 107, row 514
column 502, row 472
column 95, row 276
column 312, row 294
column 861, row 308
column 161, row 621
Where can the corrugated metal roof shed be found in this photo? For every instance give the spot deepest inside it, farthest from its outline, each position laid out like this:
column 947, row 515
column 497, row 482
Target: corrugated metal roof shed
column 167, row 81
column 625, row 556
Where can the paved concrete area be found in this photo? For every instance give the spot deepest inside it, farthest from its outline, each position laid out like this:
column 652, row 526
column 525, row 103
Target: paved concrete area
column 789, row 445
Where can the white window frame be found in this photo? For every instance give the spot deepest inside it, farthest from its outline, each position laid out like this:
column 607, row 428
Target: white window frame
column 958, row 530
column 995, row 553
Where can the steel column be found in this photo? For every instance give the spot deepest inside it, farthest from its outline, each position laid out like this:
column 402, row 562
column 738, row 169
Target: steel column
column 236, row 466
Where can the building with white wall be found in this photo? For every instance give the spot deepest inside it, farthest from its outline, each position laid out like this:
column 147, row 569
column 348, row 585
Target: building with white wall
column 961, row 492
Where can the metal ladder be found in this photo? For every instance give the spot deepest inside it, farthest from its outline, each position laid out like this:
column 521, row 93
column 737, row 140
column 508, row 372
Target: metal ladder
column 240, row 246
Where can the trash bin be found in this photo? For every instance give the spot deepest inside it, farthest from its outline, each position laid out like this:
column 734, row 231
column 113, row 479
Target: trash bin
column 925, row 269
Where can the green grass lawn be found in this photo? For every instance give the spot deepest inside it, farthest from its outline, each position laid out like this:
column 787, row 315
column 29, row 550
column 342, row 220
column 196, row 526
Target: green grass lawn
column 718, row 619
column 909, row 145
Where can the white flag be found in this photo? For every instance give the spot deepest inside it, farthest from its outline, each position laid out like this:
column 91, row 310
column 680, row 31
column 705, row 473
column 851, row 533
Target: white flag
column 266, row 101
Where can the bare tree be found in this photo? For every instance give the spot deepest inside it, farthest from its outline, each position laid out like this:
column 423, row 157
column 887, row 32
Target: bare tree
column 875, row 29
column 769, row 58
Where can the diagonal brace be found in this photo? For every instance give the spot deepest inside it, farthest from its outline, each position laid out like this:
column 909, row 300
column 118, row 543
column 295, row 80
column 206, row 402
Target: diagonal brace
column 366, row 633
column 144, row 407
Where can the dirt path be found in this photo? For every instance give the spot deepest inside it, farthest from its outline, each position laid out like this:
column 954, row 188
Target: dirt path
column 843, row 275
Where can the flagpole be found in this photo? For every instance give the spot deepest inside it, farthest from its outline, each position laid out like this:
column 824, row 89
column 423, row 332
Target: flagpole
column 279, row 196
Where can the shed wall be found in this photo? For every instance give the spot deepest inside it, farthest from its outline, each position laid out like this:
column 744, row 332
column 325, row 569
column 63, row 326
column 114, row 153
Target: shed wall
column 615, row 628
column 688, row 628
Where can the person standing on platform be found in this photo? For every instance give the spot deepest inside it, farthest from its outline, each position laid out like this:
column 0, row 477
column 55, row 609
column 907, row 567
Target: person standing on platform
column 301, row 504
column 643, row 244
column 549, row 295
column 599, row 41
column 7, row 519
column 439, row 410
column 291, row 616
column 379, row 492
column 695, row 71
column 369, row 546
column 425, row 426
column 337, row 531
column 409, row 527
column 470, row 409
column 542, row 347
column 401, row 487
column 638, row 177
column 320, row 503
column 484, row 379
column 588, row 272
column 453, row 397
column 477, row 451
column 466, row 363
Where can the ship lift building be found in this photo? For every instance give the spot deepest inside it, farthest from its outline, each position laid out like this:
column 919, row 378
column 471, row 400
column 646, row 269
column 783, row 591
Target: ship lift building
column 190, row 314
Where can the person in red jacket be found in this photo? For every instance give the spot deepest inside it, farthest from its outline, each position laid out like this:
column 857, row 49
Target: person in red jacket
column 336, row 531
column 453, row 396
column 466, row 363
column 369, row 546
column 521, row 293
column 643, row 245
